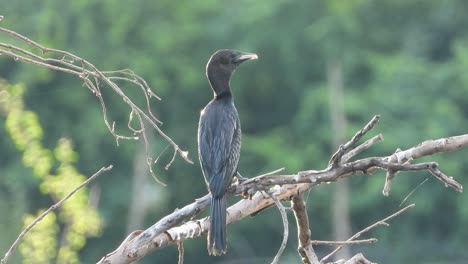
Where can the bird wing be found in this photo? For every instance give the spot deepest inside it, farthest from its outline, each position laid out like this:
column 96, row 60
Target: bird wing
column 218, row 147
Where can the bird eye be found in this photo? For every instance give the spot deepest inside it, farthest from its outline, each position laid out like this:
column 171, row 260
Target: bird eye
column 224, row 60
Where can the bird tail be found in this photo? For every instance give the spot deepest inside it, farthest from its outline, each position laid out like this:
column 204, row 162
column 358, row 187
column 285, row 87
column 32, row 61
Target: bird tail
column 217, row 234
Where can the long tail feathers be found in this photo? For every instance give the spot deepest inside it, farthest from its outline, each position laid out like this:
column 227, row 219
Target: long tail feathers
column 217, row 235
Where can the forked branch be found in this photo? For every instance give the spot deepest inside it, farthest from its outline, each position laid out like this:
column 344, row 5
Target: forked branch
column 171, row 229
column 358, row 234
column 305, row 249
column 95, row 80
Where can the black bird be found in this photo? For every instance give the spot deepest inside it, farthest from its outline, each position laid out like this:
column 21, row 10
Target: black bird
column 219, row 141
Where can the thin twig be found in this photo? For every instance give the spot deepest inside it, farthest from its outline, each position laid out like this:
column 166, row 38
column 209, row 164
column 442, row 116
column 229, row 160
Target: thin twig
column 345, row 148
column 411, row 193
column 168, row 165
column 447, row 180
column 284, row 217
column 263, row 175
column 272, row 172
column 161, row 153
column 149, row 160
column 180, row 248
column 92, row 78
column 358, row 234
column 144, row 90
column 52, row 208
column 367, row 144
column 337, row 243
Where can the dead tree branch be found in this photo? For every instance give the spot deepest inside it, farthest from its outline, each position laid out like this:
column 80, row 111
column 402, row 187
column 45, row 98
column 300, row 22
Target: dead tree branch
column 357, row 259
column 284, row 217
column 338, row 243
column 170, row 229
column 305, row 249
column 358, row 234
column 427, row 148
column 95, row 80
column 180, row 248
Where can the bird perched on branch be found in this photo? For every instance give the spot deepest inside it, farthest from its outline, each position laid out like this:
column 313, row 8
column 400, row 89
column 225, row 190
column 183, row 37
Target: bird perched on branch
column 219, row 141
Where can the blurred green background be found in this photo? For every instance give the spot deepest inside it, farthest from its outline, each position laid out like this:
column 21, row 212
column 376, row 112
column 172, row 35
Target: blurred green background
column 405, row 60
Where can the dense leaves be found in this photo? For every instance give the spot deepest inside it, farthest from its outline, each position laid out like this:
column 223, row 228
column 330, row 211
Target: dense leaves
column 79, row 218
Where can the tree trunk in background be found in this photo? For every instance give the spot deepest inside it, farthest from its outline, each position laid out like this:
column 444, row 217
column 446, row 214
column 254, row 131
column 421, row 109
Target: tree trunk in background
column 340, row 206
column 137, row 210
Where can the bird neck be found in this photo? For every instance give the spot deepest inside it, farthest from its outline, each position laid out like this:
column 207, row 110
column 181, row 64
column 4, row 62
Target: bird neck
column 221, row 86
column 223, row 95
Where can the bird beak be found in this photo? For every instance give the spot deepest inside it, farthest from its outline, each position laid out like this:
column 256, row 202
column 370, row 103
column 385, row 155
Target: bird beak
column 245, row 56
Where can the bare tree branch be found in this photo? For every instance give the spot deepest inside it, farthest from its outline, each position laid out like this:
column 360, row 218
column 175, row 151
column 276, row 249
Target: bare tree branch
column 143, row 243
column 337, row 243
column 169, row 230
column 357, row 259
column 129, row 238
column 305, row 249
column 358, row 234
column 52, row 208
column 367, row 144
column 343, row 149
column 95, row 80
column 180, row 248
column 284, row 218
column 427, row 148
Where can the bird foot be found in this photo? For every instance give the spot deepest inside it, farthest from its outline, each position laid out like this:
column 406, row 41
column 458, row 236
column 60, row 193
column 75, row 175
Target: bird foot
column 240, row 179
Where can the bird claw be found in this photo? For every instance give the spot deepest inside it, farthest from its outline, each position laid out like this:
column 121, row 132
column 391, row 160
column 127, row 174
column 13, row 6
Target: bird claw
column 240, row 179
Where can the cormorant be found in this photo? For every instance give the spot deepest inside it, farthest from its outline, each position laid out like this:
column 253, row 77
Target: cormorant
column 219, row 141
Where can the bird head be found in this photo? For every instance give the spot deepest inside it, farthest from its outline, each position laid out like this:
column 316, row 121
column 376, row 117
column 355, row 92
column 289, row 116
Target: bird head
column 222, row 64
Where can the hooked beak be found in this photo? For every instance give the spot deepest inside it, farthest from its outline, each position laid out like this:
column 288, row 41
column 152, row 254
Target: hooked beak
column 245, row 56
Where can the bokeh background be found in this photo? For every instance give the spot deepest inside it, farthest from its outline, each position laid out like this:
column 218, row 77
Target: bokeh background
column 405, row 60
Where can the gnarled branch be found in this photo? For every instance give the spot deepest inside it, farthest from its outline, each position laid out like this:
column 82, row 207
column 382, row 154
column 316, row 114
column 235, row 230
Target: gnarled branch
column 95, row 80
column 170, row 230
column 305, row 249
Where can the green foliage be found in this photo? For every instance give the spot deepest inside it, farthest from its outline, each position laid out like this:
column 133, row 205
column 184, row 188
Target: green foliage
column 78, row 218
column 40, row 245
